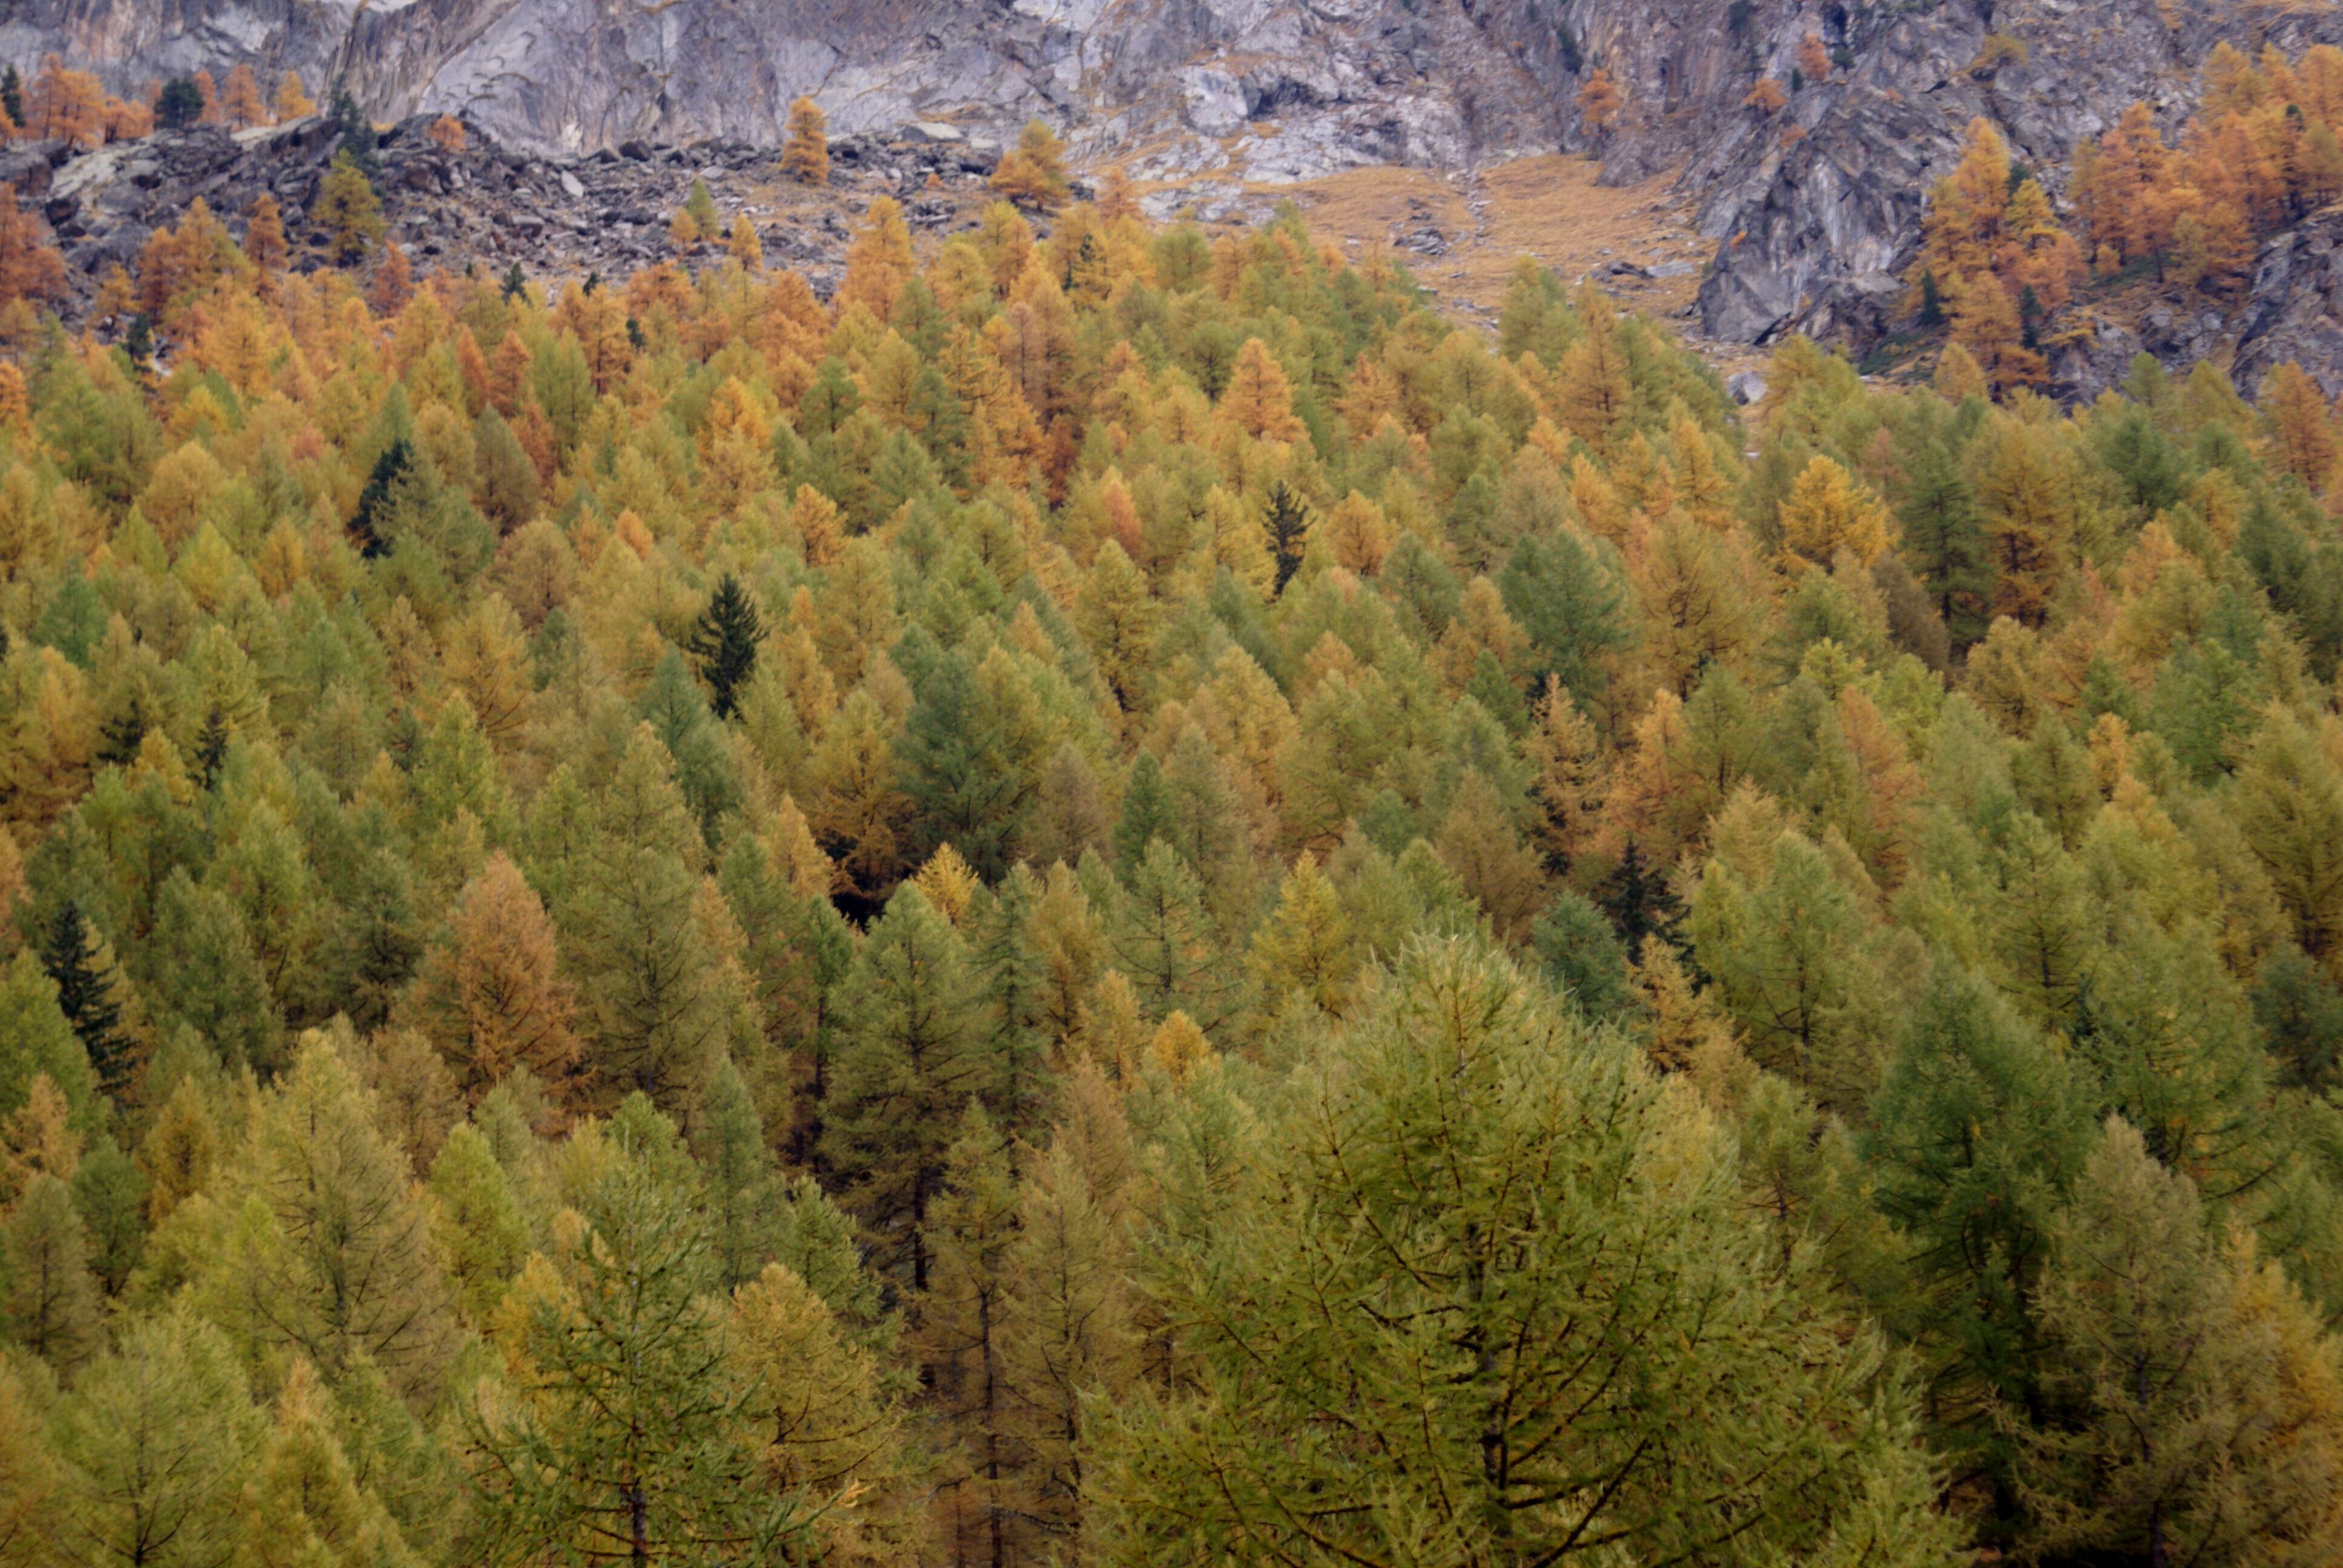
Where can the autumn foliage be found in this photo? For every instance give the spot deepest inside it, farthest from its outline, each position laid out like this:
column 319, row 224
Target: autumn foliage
column 805, row 152
column 897, row 878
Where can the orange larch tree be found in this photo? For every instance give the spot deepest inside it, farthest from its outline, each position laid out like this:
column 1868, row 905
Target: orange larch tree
column 30, row 268
column 241, row 104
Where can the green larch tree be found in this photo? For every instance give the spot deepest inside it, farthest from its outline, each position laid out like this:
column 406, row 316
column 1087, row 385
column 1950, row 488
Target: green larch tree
column 910, row 1056
column 1461, row 1252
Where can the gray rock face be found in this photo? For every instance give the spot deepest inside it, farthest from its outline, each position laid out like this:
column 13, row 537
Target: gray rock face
column 1309, row 87
column 2297, row 306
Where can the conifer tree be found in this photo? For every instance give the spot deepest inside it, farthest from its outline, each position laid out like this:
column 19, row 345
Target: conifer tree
column 348, row 210
column 652, row 990
column 304, row 1502
column 725, row 642
column 30, row 1474
column 1505, row 1456
column 110, row 1192
column 908, row 1059
column 1033, row 173
column 30, row 268
column 293, row 100
column 1558, row 592
column 1306, row 946
column 1639, row 901
column 805, row 151
column 155, row 1436
column 180, row 104
column 1827, row 511
column 350, row 1268
column 964, row 1322
column 1979, row 1128
column 2208, row 1411
column 1117, row 618
column 1598, row 100
column 52, row 1302
column 476, row 1220
column 1072, row 1329
column 624, row 1436
column 85, row 994
column 1164, row 939
column 1784, row 954
column 490, row 992
column 2290, row 805
column 1286, row 520
column 373, row 512
column 830, row 1430
column 240, row 102
column 968, row 775
column 740, row 1179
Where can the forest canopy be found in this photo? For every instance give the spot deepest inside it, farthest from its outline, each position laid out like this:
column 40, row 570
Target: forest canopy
column 1117, row 897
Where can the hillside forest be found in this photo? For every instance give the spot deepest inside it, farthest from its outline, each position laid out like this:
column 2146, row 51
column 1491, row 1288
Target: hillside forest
column 1115, row 899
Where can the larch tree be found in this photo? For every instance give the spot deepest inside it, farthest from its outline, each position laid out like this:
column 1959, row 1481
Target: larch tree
column 1829, row 510
column 30, row 1474
column 2289, row 807
column 805, row 148
column 1259, row 398
column 1358, row 1307
column 2204, row 1408
column 477, row 1221
column 964, row 1322
column 155, row 1436
column 345, row 1266
column 304, row 1502
column 349, row 211
column 30, row 266
column 651, row 991
column 623, row 1434
column 878, row 261
column 1032, row 174
column 908, row 1059
column 293, row 101
column 1598, row 101
column 830, row 1430
column 1980, row 1128
column 2302, row 425
column 491, row 994
column 1071, row 1335
column 263, row 241
column 241, row 104
column 51, row 1300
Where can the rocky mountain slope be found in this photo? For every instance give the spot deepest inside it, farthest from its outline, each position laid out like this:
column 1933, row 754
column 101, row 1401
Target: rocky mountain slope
column 1812, row 209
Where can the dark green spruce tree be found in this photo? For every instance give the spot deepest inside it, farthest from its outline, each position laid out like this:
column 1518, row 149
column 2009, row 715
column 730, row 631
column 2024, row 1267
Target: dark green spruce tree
column 358, row 136
column 724, row 642
column 69, row 952
column 1639, row 901
column 1287, row 521
column 180, row 106
column 211, row 746
column 374, row 501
